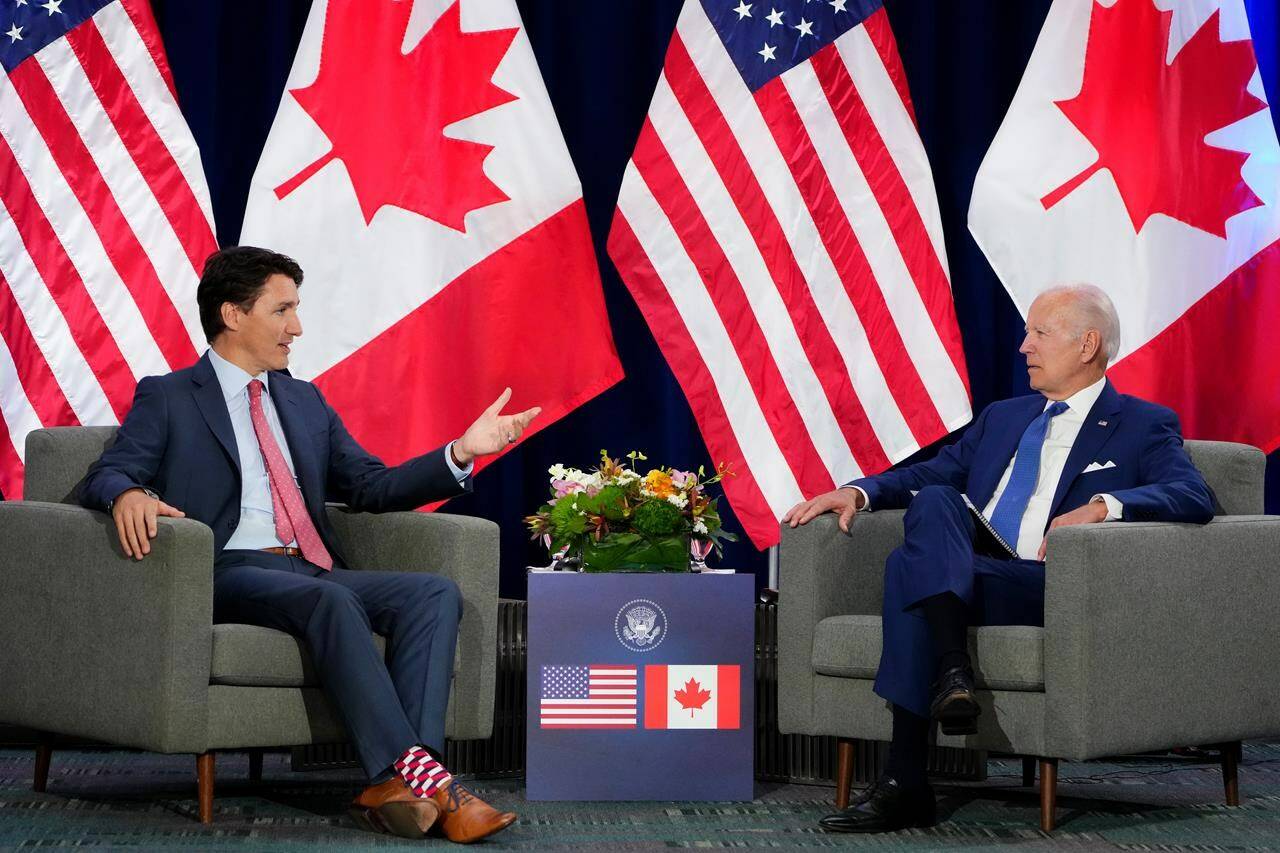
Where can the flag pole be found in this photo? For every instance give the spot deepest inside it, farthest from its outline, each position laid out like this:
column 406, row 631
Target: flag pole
column 773, row 567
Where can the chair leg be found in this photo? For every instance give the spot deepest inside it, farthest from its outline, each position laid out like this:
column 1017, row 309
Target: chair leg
column 1028, row 771
column 255, row 765
column 204, row 785
column 44, row 755
column 1230, row 771
column 1048, row 793
column 844, row 772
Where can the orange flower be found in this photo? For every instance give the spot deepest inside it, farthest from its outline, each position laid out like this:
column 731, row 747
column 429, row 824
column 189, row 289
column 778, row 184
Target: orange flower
column 658, row 483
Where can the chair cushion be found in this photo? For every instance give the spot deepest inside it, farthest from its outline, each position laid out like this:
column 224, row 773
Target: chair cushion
column 1005, row 657
column 263, row 657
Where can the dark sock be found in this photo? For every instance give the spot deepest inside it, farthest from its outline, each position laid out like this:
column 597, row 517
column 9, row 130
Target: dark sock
column 384, row 776
column 908, row 751
column 948, row 619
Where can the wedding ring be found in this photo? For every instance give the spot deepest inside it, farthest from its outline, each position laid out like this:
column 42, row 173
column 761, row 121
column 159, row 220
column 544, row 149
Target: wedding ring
column 511, row 439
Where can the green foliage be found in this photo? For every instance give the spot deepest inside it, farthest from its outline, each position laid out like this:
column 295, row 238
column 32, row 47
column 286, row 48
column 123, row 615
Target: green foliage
column 657, row 518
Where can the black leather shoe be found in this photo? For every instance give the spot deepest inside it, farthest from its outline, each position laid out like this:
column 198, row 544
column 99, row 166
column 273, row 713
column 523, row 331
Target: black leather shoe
column 954, row 705
column 885, row 807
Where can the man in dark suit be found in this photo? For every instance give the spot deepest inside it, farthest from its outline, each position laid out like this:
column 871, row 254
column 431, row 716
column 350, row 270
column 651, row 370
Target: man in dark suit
column 238, row 444
column 1077, row 452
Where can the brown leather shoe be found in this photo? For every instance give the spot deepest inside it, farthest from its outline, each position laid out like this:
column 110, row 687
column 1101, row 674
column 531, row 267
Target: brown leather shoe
column 464, row 817
column 393, row 808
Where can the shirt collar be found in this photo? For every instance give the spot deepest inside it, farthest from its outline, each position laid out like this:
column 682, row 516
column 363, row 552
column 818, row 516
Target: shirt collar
column 1081, row 401
column 233, row 378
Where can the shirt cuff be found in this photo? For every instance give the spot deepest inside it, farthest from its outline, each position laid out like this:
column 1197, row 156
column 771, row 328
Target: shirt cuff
column 459, row 474
column 1115, row 509
column 866, row 500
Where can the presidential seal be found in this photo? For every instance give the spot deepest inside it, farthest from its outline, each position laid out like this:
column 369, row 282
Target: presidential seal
column 640, row 625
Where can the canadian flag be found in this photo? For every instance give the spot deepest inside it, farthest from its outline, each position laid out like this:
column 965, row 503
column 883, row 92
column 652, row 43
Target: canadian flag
column 692, row 696
column 1139, row 155
column 417, row 172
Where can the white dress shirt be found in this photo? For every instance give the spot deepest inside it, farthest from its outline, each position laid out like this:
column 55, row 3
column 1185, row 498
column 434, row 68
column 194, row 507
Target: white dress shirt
column 1059, row 439
column 257, row 526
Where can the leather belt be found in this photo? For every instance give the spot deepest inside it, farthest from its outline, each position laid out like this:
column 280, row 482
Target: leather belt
column 285, row 552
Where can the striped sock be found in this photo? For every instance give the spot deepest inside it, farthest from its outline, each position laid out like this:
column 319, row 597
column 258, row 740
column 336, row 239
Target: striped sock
column 422, row 773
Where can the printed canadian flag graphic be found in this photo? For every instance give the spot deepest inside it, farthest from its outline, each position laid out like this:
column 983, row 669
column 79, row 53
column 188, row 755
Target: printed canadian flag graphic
column 692, row 696
column 418, row 174
column 1139, row 155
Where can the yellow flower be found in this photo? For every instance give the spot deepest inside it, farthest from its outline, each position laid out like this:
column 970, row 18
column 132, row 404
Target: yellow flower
column 658, row 483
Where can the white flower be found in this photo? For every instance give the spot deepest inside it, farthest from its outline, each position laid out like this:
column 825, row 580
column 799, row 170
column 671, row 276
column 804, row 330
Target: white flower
column 699, row 526
column 679, row 499
column 558, row 472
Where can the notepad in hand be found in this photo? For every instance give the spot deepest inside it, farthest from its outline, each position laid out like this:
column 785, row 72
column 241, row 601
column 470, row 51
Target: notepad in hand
column 986, row 540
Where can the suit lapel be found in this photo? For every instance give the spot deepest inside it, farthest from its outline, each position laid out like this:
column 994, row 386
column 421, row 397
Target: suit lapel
column 1004, row 444
column 1098, row 426
column 301, row 448
column 213, row 406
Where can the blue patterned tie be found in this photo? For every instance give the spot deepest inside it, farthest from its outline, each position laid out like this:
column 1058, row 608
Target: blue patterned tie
column 1007, row 518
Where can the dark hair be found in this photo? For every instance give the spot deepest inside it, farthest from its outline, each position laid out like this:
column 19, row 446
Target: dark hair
column 237, row 275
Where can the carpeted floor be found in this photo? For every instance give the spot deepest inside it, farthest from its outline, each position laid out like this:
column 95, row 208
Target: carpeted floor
column 107, row 799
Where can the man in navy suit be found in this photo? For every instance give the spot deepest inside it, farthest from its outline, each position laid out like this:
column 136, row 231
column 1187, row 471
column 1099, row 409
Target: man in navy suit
column 1077, row 452
column 238, row 444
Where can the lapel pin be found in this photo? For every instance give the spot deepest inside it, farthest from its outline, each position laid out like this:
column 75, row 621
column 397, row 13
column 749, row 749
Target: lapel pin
column 1102, row 423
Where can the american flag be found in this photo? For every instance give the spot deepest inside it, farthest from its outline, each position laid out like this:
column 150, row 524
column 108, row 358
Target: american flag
column 588, row 697
column 105, row 217
column 778, row 227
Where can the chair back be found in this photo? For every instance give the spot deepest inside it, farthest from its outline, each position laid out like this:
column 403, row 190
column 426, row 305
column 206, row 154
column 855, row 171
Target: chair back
column 1235, row 472
column 58, row 458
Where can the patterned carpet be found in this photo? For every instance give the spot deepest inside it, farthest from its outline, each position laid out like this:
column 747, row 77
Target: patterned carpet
column 108, row 799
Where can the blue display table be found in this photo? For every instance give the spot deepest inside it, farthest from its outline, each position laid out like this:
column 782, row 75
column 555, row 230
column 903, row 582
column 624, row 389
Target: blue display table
column 640, row 687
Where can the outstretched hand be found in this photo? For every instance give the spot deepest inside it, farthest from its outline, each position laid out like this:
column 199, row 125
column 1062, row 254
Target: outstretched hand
column 846, row 502
column 493, row 430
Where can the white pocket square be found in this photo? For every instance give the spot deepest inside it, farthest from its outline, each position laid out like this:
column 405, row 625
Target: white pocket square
column 1094, row 466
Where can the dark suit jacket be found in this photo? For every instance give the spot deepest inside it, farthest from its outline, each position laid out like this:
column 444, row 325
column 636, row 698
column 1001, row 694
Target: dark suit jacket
column 177, row 441
column 1149, row 471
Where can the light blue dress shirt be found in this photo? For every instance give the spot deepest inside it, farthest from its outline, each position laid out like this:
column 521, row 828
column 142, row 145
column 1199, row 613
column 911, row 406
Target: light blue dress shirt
column 257, row 526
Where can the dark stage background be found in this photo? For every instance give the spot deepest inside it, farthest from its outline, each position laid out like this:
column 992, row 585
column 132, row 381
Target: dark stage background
column 600, row 61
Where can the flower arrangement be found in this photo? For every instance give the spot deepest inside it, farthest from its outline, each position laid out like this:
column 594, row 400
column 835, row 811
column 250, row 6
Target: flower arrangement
column 617, row 519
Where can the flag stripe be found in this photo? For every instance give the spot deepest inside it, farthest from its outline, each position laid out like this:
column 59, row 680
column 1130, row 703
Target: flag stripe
column 844, row 245
column 143, row 22
column 698, row 44
column 753, row 508
column 134, row 49
column 124, row 254
column 848, row 443
column 88, row 330
column 49, row 328
column 918, row 247
column 739, row 319
column 76, row 236
column 729, row 700
column 711, row 349
column 146, row 149
column 141, row 209
column 655, row 697
column 886, row 47
column 33, row 374
column 15, row 408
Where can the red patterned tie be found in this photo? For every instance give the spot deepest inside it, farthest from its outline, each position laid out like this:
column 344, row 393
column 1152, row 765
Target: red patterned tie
column 292, row 520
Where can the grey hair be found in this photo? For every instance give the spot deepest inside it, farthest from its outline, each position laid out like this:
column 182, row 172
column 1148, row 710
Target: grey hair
column 1092, row 309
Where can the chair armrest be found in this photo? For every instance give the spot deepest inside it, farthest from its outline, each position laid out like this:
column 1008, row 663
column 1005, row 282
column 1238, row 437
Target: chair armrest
column 458, row 547
column 821, row 573
column 1161, row 635
column 99, row 645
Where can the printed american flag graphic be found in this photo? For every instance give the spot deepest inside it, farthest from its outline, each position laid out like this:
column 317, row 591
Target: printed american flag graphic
column 588, row 697
column 105, row 217
column 778, row 227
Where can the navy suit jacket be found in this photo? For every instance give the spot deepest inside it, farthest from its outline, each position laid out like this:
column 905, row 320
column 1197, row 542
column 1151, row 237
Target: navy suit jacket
column 1152, row 476
column 177, row 441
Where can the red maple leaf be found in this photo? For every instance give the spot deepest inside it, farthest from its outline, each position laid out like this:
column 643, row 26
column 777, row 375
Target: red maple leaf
column 692, row 696
column 1148, row 118
column 385, row 111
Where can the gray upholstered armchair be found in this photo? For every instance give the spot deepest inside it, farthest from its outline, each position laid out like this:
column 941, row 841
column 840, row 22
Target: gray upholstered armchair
column 100, row 646
column 1155, row 636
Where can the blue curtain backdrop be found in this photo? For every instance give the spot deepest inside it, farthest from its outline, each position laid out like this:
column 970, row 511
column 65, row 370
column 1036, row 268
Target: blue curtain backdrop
column 600, row 61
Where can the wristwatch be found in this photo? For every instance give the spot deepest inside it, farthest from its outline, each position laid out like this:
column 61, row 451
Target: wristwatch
column 111, row 503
